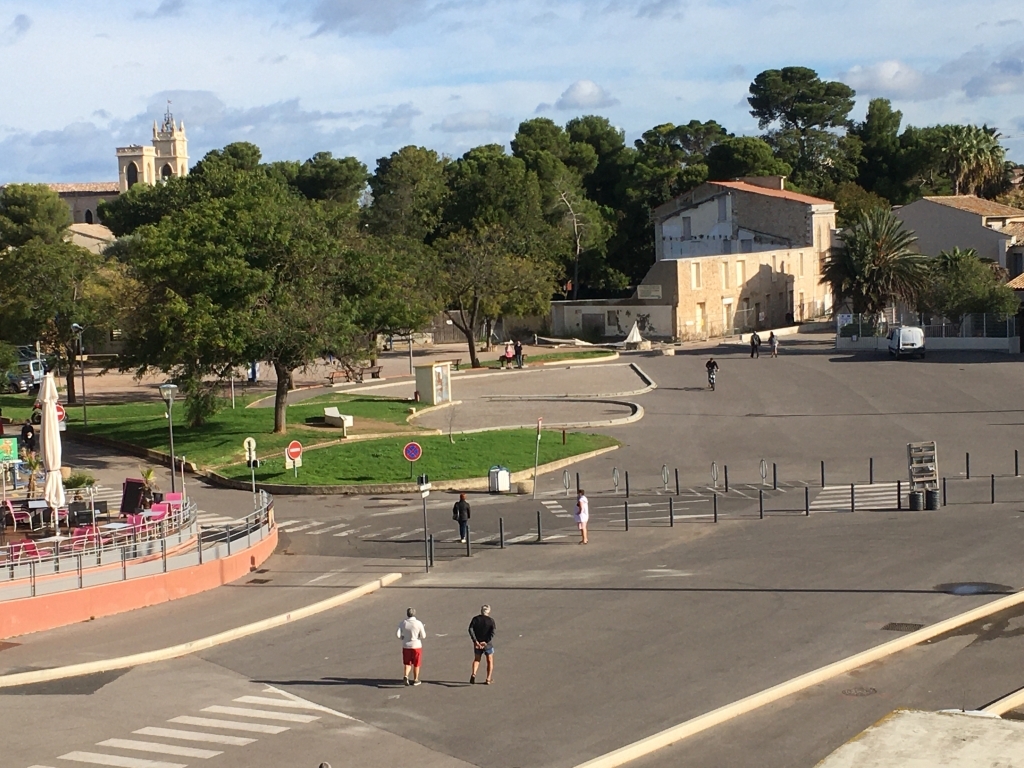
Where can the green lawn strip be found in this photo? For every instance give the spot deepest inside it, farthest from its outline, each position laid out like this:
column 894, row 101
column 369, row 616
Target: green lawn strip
column 359, row 406
column 380, row 461
column 217, row 442
column 546, row 357
column 17, row 407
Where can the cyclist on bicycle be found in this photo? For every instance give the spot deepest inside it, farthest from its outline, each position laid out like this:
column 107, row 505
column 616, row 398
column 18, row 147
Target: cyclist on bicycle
column 712, row 367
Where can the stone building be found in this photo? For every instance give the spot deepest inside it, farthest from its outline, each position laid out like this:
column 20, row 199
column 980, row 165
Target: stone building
column 167, row 157
column 731, row 256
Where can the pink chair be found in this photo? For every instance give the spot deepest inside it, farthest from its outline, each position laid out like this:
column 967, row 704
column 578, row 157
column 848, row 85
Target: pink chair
column 27, row 550
column 174, row 500
column 19, row 515
column 158, row 508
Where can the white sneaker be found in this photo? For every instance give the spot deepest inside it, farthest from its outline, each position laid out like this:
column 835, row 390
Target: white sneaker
column 462, row 541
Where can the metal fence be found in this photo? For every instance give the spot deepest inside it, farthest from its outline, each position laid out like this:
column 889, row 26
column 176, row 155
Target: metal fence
column 973, row 326
column 123, row 557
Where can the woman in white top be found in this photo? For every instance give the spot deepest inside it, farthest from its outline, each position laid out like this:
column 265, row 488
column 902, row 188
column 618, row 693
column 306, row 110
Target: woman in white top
column 582, row 515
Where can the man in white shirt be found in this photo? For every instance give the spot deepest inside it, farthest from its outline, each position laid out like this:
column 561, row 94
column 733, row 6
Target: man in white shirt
column 582, row 515
column 412, row 633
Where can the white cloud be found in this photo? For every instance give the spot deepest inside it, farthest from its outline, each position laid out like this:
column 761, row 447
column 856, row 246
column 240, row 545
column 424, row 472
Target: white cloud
column 585, row 94
column 894, row 79
column 363, row 16
column 472, row 121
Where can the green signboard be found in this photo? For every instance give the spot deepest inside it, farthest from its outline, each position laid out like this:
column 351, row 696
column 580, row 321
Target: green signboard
column 8, row 449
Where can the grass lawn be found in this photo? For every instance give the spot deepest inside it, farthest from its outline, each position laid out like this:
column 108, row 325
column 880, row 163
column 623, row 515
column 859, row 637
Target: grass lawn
column 381, row 461
column 17, row 407
column 220, row 440
column 490, row 359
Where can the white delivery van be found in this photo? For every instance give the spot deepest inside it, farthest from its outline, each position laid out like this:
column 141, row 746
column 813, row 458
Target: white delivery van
column 906, row 340
column 34, row 369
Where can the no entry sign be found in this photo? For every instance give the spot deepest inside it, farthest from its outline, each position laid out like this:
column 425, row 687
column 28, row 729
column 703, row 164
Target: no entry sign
column 412, row 452
column 61, row 413
column 293, row 456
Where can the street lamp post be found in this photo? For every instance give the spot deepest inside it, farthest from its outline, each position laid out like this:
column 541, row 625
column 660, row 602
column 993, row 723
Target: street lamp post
column 167, row 392
column 77, row 329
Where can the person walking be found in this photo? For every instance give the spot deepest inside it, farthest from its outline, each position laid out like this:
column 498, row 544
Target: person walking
column 510, row 354
column 460, row 513
column 582, row 514
column 773, row 343
column 518, row 349
column 412, row 633
column 481, row 630
column 755, row 345
column 28, row 436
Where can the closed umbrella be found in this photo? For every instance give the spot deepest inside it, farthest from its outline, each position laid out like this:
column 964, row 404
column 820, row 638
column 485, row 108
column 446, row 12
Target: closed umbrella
column 49, row 434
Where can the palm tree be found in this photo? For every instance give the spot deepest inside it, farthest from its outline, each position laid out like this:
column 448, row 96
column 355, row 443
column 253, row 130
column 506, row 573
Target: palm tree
column 972, row 156
column 876, row 265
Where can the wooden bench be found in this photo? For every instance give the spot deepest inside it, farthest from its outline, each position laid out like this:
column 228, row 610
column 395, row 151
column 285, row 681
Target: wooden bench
column 456, row 363
column 373, row 369
column 333, row 376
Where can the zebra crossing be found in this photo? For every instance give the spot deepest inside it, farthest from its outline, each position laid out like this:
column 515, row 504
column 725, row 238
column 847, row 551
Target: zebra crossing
column 836, row 498
column 258, row 717
column 556, row 509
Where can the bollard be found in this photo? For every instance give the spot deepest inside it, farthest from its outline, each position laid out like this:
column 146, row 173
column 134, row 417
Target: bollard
column 430, row 551
column 993, row 489
column 501, row 532
column 80, row 573
column 540, row 533
column 124, row 564
column 199, row 545
column 871, row 471
column 726, row 468
column 677, row 481
column 967, row 462
column 807, row 501
column 671, row 514
column 716, row 506
column 577, row 482
column 760, row 503
column 163, row 553
column 469, row 544
column 823, row 474
column 943, row 491
column 899, row 494
column 1016, row 463
column 625, row 513
column 775, row 476
column 627, row 483
column 853, row 499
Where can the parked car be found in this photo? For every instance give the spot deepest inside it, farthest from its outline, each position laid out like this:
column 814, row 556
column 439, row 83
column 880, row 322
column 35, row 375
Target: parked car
column 906, row 341
column 34, row 370
column 18, row 382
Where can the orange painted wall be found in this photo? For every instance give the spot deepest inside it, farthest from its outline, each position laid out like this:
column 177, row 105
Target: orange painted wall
column 35, row 614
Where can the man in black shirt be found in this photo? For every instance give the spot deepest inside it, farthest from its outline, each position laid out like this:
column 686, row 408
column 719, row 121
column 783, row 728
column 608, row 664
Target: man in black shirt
column 460, row 513
column 28, row 437
column 481, row 630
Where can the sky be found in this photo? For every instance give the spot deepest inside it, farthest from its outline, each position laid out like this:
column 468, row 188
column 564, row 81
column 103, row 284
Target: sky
column 366, row 77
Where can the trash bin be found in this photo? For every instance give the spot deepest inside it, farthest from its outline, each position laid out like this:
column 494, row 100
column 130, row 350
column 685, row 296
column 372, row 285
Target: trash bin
column 499, row 480
column 916, row 501
column 931, row 498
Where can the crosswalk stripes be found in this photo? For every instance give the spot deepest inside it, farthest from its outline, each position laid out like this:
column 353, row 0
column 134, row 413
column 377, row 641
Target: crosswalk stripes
column 556, row 509
column 836, row 498
column 261, row 708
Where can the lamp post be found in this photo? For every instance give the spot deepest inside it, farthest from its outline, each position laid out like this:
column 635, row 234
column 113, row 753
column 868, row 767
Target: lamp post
column 77, row 330
column 167, row 392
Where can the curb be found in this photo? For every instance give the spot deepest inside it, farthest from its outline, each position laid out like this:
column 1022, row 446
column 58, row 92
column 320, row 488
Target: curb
column 802, row 682
column 468, row 484
column 129, row 448
column 183, row 649
column 636, row 415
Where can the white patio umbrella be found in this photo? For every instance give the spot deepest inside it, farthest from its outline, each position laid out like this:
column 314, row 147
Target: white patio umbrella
column 49, row 434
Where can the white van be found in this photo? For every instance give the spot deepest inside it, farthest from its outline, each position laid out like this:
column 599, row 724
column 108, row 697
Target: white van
column 906, row 340
column 34, row 369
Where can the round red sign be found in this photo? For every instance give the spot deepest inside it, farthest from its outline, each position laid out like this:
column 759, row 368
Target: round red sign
column 412, row 452
column 61, row 413
column 294, row 450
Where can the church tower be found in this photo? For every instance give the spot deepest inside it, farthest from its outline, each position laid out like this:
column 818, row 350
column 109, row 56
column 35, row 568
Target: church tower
column 166, row 158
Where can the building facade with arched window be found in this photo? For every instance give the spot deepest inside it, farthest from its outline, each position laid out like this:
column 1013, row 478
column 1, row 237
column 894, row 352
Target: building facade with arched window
column 166, row 158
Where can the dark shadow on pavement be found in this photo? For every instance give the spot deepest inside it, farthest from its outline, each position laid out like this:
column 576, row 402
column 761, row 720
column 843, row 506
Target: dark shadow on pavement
column 368, row 682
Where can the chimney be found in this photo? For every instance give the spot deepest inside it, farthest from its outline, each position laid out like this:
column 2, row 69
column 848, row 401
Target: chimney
column 768, row 182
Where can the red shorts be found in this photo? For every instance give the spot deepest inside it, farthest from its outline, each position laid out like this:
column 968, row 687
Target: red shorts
column 412, row 656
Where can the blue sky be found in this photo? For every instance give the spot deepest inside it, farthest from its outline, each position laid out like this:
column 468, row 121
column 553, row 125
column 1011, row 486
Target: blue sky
column 365, row 77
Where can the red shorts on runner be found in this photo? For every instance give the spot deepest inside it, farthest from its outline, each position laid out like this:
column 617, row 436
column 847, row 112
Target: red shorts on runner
column 412, row 656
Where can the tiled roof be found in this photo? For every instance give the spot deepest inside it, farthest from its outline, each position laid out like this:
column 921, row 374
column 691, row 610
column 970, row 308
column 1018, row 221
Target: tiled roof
column 978, row 205
column 781, row 193
column 1016, row 229
column 98, row 187
column 1017, row 283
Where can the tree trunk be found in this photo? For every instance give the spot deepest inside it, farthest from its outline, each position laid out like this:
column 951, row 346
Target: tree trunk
column 281, row 399
column 488, row 330
column 72, row 398
column 473, row 361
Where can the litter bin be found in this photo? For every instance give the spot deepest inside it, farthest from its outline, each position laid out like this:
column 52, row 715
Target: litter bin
column 931, row 498
column 916, row 501
column 499, row 480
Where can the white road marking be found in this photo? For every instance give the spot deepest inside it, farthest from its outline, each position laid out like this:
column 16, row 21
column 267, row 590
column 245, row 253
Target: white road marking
column 350, row 531
column 116, row 760
column 485, row 539
column 310, row 704
column 404, row 534
column 160, row 749
column 377, row 534
column 229, row 724
column 283, row 523
column 312, row 524
column 321, row 577
column 329, row 528
column 263, row 714
column 212, row 738
column 518, row 539
column 406, row 511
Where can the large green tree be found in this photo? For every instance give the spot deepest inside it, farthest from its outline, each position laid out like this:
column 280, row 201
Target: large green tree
column 961, row 284
column 744, row 156
column 876, row 265
column 409, row 191
column 31, row 212
column 972, row 157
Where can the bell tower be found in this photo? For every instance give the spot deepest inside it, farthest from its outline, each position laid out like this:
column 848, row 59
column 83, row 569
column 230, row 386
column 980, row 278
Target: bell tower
column 166, row 158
